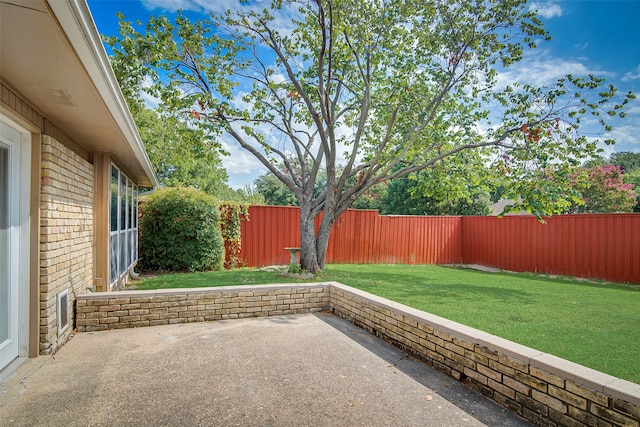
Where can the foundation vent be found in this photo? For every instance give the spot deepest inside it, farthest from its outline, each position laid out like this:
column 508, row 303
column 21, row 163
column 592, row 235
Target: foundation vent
column 63, row 311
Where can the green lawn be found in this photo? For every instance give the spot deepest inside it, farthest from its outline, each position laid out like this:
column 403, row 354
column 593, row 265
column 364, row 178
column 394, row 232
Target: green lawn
column 596, row 325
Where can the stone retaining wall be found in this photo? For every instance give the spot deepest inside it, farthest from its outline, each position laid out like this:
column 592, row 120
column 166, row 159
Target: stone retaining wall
column 131, row 309
column 547, row 390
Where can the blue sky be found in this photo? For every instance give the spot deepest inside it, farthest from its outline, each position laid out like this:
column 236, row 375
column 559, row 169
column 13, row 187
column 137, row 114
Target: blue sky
column 589, row 36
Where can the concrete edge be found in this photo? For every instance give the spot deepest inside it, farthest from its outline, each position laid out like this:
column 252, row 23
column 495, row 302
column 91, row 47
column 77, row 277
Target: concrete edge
column 201, row 291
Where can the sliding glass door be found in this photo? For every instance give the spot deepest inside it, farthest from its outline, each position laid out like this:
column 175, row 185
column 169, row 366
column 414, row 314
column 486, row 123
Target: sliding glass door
column 9, row 176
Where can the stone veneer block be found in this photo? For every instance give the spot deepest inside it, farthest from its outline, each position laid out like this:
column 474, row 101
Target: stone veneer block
column 514, row 350
column 466, row 333
column 412, row 313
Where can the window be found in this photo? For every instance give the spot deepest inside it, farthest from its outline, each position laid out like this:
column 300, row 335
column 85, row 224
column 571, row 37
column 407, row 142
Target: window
column 5, row 248
column 133, row 226
column 113, row 219
column 123, row 241
column 123, row 263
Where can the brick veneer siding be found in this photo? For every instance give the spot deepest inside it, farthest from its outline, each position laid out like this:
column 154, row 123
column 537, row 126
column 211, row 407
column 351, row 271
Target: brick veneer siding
column 542, row 388
column 66, row 235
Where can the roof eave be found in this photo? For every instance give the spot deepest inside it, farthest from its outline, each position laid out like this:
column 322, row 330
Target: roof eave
column 75, row 17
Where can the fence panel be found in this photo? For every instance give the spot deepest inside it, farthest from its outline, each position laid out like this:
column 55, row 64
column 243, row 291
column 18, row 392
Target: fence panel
column 598, row 246
column 358, row 237
column 269, row 230
column 352, row 239
column 603, row 246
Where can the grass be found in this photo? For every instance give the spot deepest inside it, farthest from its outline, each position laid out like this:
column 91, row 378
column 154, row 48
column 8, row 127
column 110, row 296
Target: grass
column 593, row 324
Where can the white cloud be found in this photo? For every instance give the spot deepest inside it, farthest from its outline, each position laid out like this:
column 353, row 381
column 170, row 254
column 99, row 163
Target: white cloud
column 546, row 10
column 633, row 109
column 149, row 100
column 243, row 168
column 541, row 69
column 632, row 75
column 201, row 6
column 541, row 72
column 625, row 137
column 283, row 21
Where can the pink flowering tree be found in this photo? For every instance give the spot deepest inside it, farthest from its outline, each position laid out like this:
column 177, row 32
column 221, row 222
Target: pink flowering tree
column 603, row 190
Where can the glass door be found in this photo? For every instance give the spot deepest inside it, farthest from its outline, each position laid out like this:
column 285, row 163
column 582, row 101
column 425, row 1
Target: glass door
column 9, row 162
column 4, row 244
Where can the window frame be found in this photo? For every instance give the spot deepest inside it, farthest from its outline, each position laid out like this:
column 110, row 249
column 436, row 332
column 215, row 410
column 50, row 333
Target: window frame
column 123, row 241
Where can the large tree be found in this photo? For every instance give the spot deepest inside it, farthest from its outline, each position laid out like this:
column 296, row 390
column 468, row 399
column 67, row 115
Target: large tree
column 369, row 91
column 404, row 196
column 181, row 155
column 633, row 178
column 628, row 161
column 275, row 193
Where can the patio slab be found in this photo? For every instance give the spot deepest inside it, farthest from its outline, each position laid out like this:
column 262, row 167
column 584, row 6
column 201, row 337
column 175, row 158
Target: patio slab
column 312, row 369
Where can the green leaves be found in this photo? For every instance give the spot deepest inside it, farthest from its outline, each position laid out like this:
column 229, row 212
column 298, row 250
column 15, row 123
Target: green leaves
column 181, row 155
column 603, row 190
column 180, row 231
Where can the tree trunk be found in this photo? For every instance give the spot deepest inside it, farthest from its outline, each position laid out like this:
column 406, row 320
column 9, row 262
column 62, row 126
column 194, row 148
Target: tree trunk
column 322, row 238
column 313, row 247
column 308, row 253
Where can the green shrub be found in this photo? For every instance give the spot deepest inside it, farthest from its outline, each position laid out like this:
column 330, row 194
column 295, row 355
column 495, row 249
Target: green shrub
column 180, row 231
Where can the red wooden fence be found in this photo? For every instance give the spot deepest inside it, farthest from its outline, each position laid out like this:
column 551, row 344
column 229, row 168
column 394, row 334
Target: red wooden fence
column 592, row 246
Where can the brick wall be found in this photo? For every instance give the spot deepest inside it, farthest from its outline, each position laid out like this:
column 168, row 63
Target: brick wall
column 542, row 388
column 130, row 309
column 66, row 235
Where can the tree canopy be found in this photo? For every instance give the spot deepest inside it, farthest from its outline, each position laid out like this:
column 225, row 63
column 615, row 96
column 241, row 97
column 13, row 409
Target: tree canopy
column 181, row 155
column 401, row 196
column 275, row 193
column 628, row 161
column 603, row 190
column 366, row 92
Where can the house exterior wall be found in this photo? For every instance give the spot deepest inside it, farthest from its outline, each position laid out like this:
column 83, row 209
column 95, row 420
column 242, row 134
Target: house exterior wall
column 70, row 216
column 67, row 122
column 66, row 236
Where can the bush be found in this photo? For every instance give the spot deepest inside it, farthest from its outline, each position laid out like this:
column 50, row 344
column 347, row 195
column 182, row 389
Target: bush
column 180, row 231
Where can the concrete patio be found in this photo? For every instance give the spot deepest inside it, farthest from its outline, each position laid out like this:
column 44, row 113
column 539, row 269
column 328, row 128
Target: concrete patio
column 310, row 369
